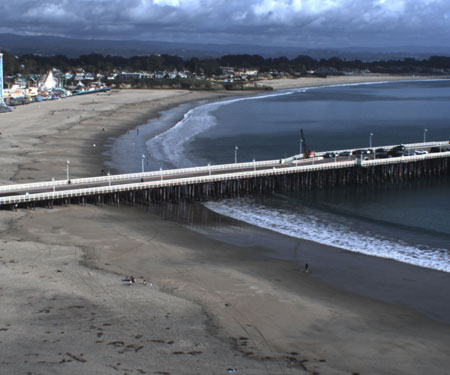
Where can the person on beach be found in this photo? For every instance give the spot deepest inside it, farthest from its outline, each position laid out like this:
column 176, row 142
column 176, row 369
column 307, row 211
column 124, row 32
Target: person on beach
column 129, row 280
column 306, row 267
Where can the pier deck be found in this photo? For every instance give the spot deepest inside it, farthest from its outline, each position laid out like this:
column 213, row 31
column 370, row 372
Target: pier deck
column 228, row 180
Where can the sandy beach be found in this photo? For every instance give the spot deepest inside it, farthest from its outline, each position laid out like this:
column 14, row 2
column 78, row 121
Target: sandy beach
column 207, row 306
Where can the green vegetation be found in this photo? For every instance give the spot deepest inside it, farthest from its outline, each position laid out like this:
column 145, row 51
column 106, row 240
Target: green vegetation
column 232, row 72
column 96, row 63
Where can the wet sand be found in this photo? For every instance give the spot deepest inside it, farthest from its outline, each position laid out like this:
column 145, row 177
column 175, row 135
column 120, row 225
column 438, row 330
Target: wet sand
column 212, row 305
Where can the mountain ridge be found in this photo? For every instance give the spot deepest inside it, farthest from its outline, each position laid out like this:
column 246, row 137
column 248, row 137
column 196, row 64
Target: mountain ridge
column 56, row 45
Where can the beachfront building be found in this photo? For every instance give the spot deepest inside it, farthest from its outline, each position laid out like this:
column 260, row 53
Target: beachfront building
column 14, row 92
column 68, row 76
column 135, row 75
column 79, row 75
column 176, row 74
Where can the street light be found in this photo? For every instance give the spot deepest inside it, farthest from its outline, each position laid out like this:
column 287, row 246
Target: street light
column 254, row 165
column 142, row 162
column 209, row 168
column 68, row 171
column 301, row 146
column 425, row 135
column 236, row 148
column 370, row 140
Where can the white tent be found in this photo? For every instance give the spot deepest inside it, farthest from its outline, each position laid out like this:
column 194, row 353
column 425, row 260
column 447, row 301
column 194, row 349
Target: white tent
column 50, row 82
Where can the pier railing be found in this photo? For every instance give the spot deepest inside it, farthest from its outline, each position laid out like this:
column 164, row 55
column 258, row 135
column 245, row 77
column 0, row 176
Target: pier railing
column 388, row 147
column 110, row 179
column 404, row 159
column 279, row 170
column 138, row 175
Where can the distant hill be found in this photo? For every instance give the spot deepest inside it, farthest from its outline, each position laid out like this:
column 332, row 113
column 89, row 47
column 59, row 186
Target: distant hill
column 51, row 45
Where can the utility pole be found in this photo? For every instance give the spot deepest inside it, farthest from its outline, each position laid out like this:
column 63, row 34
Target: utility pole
column 3, row 106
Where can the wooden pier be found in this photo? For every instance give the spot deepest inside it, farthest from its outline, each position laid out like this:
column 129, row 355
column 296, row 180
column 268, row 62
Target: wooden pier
column 227, row 181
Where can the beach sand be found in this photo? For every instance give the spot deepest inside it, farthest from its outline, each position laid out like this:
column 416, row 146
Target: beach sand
column 209, row 306
column 290, row 83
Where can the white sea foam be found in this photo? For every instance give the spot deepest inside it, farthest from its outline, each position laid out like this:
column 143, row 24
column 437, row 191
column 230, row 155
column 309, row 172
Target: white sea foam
column 170, row 145
column 330, row 231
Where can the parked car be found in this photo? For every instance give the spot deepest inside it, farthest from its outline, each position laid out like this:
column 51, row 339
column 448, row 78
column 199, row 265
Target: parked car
column 397, row 150
column 345, row 153
column 420, row 152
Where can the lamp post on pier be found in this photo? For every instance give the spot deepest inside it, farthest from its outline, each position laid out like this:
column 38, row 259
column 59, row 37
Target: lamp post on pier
column 68, row 171
column 236, row 148
column 370, row 140
column 301, row 146
column 142, row 162
column 425, row 135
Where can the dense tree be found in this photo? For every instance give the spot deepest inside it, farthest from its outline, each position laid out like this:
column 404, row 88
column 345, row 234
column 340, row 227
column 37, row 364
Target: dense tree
column 95, row 63
column 194, row 65
column 242, row 61
column 211, row 67
column 10, row 64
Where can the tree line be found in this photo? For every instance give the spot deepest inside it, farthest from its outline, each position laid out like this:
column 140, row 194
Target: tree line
column 300, row 65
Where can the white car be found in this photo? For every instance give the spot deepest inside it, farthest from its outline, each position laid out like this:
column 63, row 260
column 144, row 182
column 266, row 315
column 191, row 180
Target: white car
column 420, row 152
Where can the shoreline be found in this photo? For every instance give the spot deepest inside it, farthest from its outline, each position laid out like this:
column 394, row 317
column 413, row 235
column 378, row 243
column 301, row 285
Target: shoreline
column 333, row 266
column 129, row 145
column 265, row 307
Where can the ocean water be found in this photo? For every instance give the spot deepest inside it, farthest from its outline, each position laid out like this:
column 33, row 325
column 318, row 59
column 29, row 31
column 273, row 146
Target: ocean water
column 407, row 222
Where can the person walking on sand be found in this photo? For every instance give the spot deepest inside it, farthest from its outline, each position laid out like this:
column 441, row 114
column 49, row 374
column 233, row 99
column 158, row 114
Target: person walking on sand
column 306, row 267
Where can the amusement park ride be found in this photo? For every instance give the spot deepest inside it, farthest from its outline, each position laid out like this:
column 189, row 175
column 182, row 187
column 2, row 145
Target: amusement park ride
column 3, row 106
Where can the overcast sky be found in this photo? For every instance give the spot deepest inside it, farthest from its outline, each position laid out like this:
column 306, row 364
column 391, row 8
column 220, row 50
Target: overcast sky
column 300, row 23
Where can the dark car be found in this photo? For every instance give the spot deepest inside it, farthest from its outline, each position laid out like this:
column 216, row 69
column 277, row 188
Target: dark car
column 345, row 153
column 397, row 150
column 381, row 149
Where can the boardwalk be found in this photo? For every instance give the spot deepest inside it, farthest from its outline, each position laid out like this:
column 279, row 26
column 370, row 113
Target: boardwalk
column 218, row 181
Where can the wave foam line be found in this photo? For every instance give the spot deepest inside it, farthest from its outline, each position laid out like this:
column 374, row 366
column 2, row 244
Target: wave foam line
column 170, row 145
column 310, row 227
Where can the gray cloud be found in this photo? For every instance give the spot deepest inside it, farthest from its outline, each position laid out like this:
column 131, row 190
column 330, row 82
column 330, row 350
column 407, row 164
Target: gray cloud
column 305, row 23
